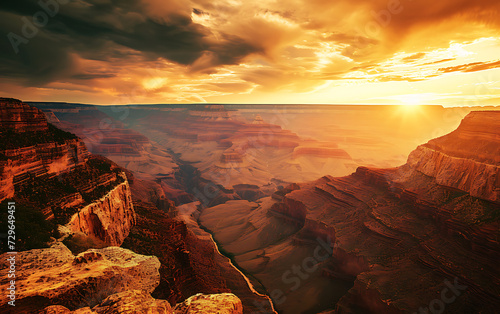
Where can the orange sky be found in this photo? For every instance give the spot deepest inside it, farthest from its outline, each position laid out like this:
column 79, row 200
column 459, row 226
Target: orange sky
column 233, row 51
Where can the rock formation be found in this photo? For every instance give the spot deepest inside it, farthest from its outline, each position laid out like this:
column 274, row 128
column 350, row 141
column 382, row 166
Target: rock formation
column 467, row 159
column 393, row 238
column 51, row 171
column 109, row 280
column 32, row 147
column 225, row 303
column 55, row 276
column 109, row 219
column 190, row 262
column 20, row 117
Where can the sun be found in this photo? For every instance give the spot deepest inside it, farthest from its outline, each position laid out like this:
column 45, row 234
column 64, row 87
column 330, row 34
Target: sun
column 411, row 100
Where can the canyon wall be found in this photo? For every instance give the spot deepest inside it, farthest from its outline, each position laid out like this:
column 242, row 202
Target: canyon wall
column 50, row 171
column 49, row 159
column 467, row 159
column 32, row 147
column 109, row 219
column 20, row 117
column 395, row 237
column 190, row 262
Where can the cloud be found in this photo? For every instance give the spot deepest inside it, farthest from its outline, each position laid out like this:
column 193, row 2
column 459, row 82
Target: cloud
column 414, row 57
column 472, row 67
column 107, row 30
column 213, row 47
column 439, row 61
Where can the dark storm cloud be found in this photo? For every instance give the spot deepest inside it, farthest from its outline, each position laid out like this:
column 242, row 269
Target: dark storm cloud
column 103, row 30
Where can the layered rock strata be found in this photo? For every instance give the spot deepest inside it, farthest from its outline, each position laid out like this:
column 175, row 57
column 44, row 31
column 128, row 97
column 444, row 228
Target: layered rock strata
column 398, row 237
column 51, row 172
column 109, row 219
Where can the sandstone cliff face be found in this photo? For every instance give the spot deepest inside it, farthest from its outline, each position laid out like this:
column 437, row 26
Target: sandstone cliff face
column 30, row 146
column 109, row 219
column 467, row 159
column 51, row 171
column 479, row 179
column 49, row 159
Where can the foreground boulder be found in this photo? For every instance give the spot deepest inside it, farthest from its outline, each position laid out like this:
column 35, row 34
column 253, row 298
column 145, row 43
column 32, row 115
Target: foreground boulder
column 109, row 280
column 133, row 301
column 55, row 276
column 136, row 301
column 224, row 303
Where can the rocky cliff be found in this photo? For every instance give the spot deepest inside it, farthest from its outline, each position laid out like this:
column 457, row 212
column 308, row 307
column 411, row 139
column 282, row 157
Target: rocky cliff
column 49, row 171
column 109, row 218
column 381, row 240
column 20, row 117
column 189, row 265
column 109, row 280
column 467, row 159
column 55, row 276
column 32, row 147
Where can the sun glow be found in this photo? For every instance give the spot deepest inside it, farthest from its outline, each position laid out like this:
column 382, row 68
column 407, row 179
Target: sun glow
column 415, row 99
column 154, row 83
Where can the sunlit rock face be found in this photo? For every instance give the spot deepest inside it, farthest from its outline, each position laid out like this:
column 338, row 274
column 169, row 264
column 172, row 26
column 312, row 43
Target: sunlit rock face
column 467, row 159
column 136, row 301
column 109, row 280
column 49, row 158
column 393, row 238
column 225, row 303
column 55, row 276
column 31, row 147
column 109, row 219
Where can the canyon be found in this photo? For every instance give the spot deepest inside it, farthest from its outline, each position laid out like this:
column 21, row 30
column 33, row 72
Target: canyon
column 82, row 204
column 394, row 235
column 254, row 208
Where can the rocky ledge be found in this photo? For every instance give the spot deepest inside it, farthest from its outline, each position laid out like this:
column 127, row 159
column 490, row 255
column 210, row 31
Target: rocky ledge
column 109, row 280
